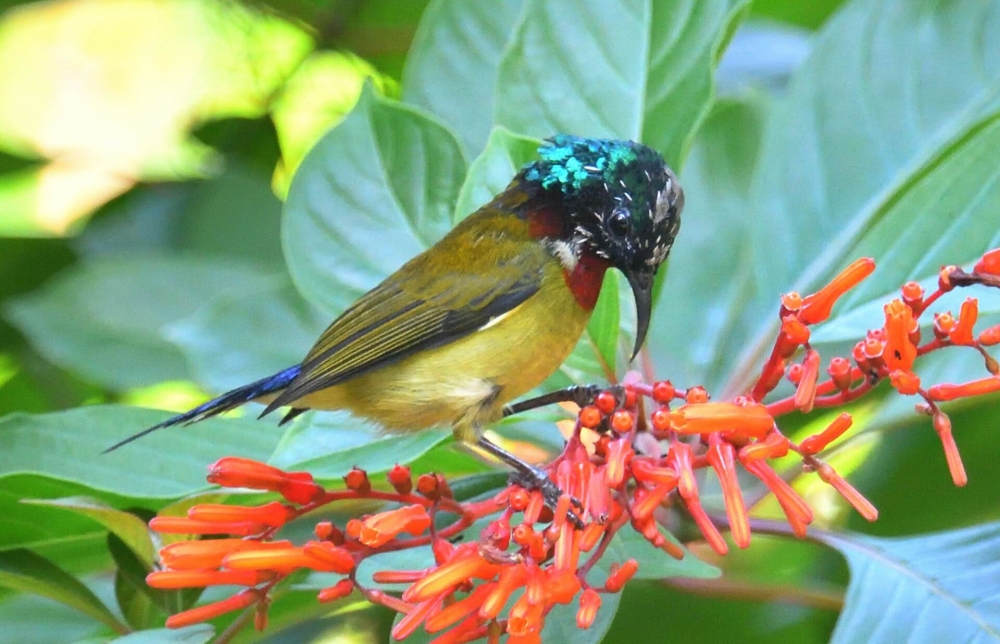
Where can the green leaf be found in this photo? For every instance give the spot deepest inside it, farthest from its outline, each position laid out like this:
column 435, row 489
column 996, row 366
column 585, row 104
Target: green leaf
column 105, row 319
column 373, row 457
column 132, row 592
column 460, row 44
column 135, row 605
column 66, row 445
column 318, row 95
column 128, row 527
column 628, row 69
column 196, row 634
column 493, row 169
column 375, row 191
column 929, row 588
column 234, row 215
column 560, row 623
column 21, row 615
column 895, row 166
column 603, row 326
column 699, row 319
column 24, row 571
column 653, row 562
column 239, row 338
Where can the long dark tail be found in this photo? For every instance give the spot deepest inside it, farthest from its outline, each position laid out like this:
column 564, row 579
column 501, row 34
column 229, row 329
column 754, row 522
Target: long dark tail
column 225, row 402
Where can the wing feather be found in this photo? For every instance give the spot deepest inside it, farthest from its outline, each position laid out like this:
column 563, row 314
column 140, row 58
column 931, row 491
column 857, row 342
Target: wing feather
column 408, row 313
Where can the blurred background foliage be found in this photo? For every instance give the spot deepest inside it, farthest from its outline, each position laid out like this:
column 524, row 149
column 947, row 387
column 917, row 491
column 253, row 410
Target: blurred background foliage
column 154, row 249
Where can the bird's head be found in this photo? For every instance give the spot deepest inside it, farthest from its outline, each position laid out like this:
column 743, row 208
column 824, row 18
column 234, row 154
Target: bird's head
column 618, row 201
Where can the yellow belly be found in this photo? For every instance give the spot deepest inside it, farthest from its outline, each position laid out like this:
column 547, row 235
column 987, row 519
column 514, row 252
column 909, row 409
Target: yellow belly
column 466, row 383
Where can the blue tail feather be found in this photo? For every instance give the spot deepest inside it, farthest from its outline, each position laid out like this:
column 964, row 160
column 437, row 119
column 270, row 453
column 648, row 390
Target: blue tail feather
column 225, row 402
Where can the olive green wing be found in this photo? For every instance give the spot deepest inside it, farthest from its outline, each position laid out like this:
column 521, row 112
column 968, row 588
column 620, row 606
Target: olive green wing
column 409, row 313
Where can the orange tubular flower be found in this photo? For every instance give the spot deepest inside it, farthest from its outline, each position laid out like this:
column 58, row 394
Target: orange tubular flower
column 204, row 613
column 510, row 579
column 905, row 382
column 899, row 352
column 805, row 392
column 199, row 555
column 451, row 575
column 620, row 452
column 619, row 575
column 379, row 529
column 590, row 603
column 339, row 590
column 185, row 525
column 774, row 445
column 794, row 506
column 173, row 579
column 989, row 264
column 334, row 560
column 946, row 392
column 817, row 307
column 818, row 442
column 855, row 498
column 962, row 333
column 270, row 514
column 942, row 425
column 722, row 457
column 739, row 421
column 990, row 336
column 704, row 523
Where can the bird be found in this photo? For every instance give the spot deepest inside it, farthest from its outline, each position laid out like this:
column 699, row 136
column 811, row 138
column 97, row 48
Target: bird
column 487, row 313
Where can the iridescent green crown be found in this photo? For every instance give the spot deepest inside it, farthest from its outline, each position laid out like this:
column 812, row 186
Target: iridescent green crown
column 575, row 164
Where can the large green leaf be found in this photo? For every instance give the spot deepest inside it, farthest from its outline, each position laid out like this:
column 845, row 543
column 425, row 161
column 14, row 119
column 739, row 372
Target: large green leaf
column 893, row 164
column 129, row 528
column 105, row 318
column 374, row 192
column 930, row 588
column 630, row 69
column 169, row 463
column 373, row 457
column 493, row 169
column 699, row 316
column 239, row 338
column 460, row 44
column 24, row 571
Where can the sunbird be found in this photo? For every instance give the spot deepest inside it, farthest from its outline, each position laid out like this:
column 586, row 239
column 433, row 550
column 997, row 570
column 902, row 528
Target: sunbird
column 492, row 309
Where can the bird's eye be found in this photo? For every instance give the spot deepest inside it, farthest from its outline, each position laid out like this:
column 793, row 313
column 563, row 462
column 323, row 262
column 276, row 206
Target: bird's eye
column 619, row 224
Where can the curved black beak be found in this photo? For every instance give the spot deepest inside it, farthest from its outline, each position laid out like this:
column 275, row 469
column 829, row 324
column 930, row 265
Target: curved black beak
column 641, row 281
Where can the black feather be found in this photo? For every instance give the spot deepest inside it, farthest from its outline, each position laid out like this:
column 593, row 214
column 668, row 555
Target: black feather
column 225, row 402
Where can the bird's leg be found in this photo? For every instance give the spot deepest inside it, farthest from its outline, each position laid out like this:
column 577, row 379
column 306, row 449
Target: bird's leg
column 580, row 394
column 530, row 477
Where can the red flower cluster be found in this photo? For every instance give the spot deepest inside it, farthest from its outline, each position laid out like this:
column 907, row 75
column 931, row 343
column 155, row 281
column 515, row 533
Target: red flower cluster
column 629, row 459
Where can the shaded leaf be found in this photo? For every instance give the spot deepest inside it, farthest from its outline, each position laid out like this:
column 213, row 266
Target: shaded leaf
column 196, row 634
column 460, row 44
column 24, row 571
column 628, row 69
column 929, row 588
column 653, row 562
column 105, row 319
column 66, row 445
column 374, row 192
column 129, row 528
column 239, row 338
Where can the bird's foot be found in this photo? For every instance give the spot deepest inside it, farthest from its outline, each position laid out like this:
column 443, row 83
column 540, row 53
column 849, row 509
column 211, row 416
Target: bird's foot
column 533, row 478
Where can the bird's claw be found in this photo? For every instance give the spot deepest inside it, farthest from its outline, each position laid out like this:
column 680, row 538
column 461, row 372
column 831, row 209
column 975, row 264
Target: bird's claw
column 532, row 478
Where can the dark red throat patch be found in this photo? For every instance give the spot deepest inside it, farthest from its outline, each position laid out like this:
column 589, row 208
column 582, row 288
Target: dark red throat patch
column 585, row 280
